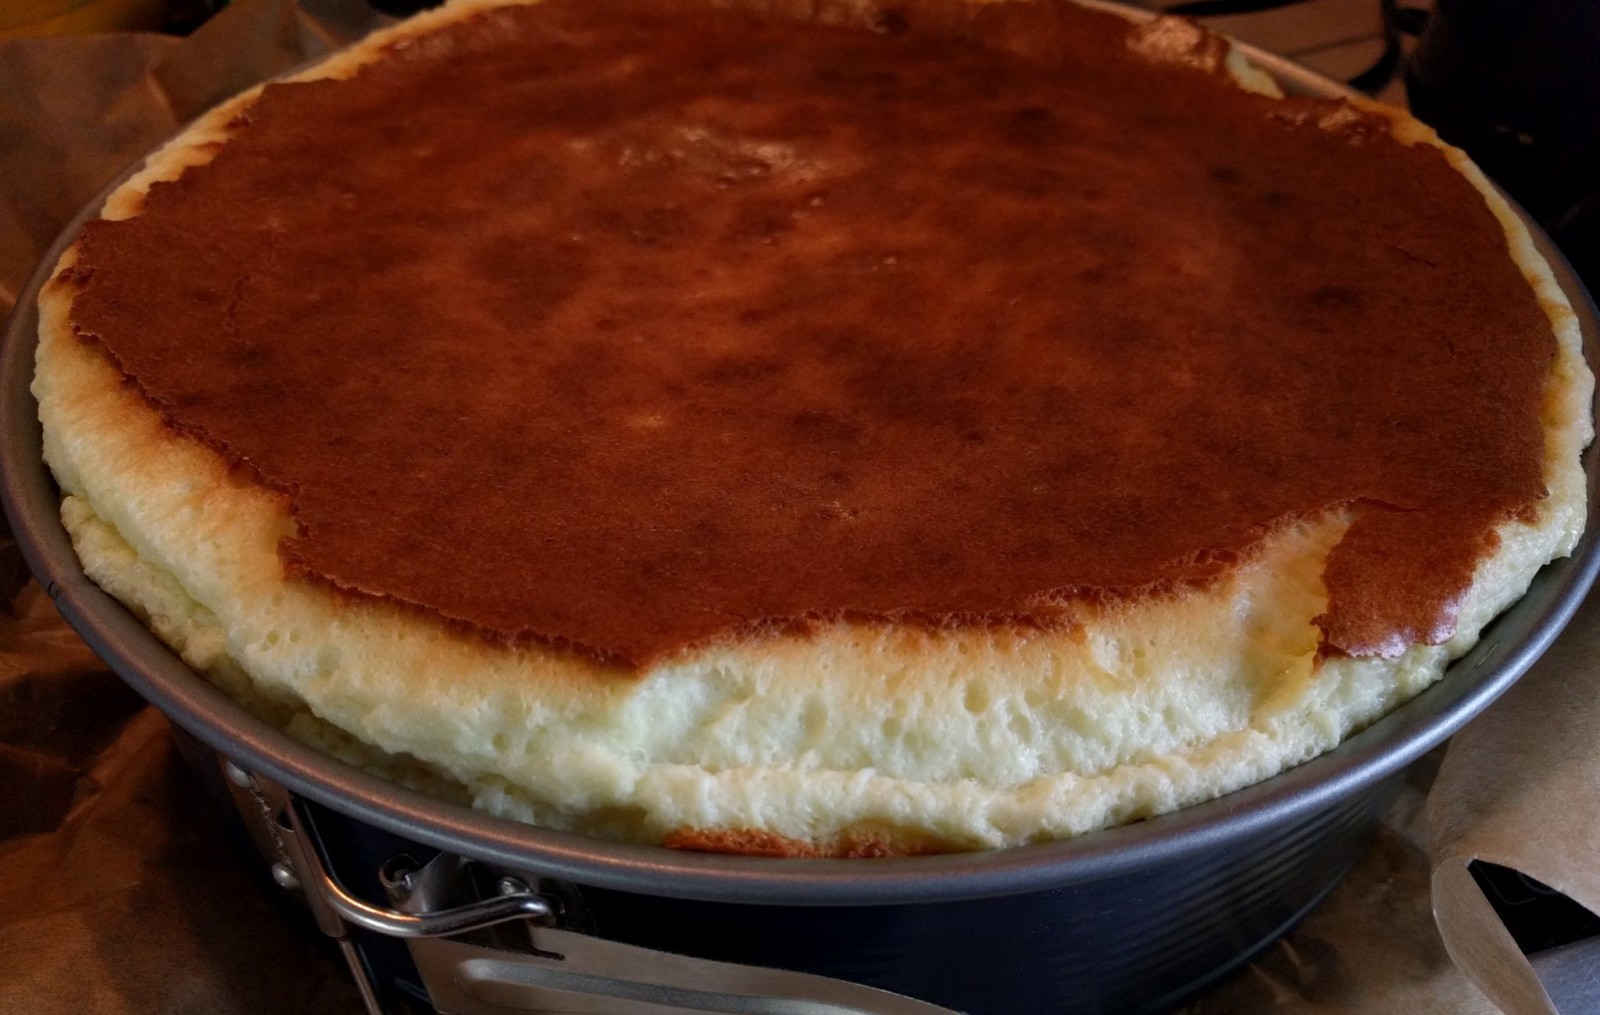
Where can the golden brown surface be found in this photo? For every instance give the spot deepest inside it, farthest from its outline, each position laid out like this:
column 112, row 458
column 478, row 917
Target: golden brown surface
column 629, row 339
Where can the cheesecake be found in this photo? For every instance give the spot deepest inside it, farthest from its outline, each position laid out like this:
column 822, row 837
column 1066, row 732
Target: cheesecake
column 811, row 429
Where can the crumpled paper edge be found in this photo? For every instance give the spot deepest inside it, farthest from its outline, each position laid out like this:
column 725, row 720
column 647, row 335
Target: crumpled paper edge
column 1520, row 787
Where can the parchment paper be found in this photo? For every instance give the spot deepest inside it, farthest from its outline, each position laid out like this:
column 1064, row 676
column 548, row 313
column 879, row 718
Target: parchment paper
column 119, row 892
column 1521, row 788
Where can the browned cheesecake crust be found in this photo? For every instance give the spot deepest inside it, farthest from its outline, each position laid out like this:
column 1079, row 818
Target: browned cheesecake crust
column 668, row 323
column 851, row 845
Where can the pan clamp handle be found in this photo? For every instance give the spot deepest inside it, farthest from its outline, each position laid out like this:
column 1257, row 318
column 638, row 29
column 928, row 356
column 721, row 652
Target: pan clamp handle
column 469, row 970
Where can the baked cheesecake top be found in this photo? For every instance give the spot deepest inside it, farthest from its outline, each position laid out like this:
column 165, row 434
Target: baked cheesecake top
column 628, row 327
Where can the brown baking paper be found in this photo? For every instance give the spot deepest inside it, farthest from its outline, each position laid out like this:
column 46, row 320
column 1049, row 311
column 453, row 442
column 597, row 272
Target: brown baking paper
column 1520, row 787
column 119, row 892
column 74, row 112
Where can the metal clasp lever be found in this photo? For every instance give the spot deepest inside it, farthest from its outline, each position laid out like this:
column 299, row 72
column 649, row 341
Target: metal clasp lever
column 552, row 969
column 515, row 901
